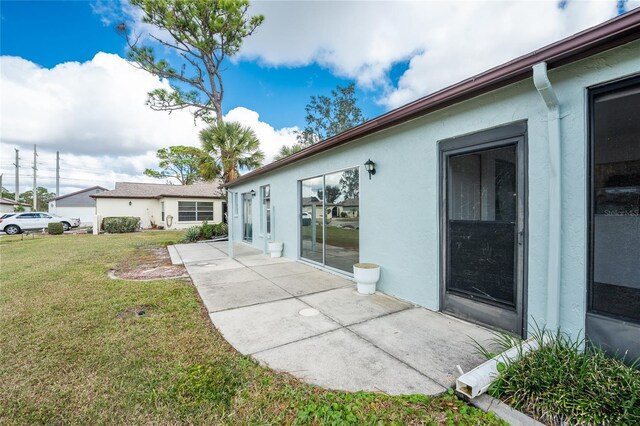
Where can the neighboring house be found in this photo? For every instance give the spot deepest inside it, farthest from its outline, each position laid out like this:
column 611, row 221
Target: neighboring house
column 9, row 206
column 509, row 199
column 171, row 206
column 77, row 204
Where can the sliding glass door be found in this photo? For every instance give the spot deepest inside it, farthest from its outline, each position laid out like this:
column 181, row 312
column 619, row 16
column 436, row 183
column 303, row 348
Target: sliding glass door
column 330, row 219
column 613, row 314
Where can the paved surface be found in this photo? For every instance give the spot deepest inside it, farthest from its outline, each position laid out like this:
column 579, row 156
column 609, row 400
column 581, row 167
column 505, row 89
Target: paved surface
column 313, row 324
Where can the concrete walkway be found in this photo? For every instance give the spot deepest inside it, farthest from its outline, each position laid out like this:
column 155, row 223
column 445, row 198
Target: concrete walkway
column 313, row 324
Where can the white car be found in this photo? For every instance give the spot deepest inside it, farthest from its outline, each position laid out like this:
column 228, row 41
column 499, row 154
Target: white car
column 34, row 220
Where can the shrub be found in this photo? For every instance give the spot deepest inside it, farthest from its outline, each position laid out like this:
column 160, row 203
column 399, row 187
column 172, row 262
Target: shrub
column 191, row 235
column 55, row 228
column 120, row 225
column 560, row 384
column 343, row 214
column 207, row 230
column 220, row 229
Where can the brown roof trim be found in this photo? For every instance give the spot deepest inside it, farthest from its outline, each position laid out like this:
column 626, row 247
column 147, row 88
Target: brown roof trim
column 155, row 197
column 192, row 196
column 610, row 34
column 79, row 192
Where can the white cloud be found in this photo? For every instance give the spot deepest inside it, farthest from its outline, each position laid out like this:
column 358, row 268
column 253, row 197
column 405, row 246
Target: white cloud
column 94, row 113
column 92, row 108
column 445, row 41
column 271, row 140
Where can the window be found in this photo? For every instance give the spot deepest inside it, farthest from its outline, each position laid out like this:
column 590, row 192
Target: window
column 235, row 204
column 266, row 205
column 162, row 211
column 330, row 219
column 190, row 211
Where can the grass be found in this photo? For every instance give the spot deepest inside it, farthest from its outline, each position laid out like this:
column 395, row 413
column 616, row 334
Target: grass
column 560, row 384
column 340, row 237
column 73, row 350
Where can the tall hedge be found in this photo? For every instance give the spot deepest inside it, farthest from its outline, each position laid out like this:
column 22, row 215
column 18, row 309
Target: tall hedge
column 120, row 225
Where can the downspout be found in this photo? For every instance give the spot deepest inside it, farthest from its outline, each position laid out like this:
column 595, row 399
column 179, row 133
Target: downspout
column 554, row 248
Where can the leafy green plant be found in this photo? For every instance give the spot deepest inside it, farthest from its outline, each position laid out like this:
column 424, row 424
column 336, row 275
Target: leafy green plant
column 191, row 235
column 206, row 230
column 120, row 225
column 220, row 229
column 560, row 383
column 55, row 228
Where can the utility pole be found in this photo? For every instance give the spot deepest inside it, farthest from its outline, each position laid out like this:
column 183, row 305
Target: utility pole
column 35, row 170
column 17, row 164
column 57, row 173
column 1, row 183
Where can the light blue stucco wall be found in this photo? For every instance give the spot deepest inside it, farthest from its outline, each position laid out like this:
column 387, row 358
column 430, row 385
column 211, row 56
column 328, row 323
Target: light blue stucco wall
column 399, row 223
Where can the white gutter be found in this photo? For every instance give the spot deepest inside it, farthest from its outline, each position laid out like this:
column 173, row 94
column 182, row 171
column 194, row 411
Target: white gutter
column 554, row 248
column 477, row 381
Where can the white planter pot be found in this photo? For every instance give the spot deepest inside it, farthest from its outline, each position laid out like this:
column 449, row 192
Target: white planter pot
column 366, row 276
column 275, row 248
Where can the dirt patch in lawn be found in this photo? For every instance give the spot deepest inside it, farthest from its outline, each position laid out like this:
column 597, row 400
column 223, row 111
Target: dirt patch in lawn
column 148, row 262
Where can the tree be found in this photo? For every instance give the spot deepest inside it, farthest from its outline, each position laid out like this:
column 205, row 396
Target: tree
column 203, row 33
column 4, row 193
column 179, row 162
column 234, row 146
column 330, row 194
column 350, row 183
column 328, row 116
column 44, row 196
column 286, row 151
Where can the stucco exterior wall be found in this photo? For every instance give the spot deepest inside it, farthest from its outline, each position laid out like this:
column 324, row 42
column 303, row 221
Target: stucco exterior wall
column 149, row 210
column 399, row 206
column 171, row 209
column 145, row 209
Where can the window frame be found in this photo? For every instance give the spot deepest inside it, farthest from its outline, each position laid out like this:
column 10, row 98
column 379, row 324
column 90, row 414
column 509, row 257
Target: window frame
column 197, row 211
column 614, row 334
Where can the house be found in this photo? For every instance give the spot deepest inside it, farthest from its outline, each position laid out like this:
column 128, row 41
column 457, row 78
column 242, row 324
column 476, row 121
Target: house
column 509, row 199
column 77, row 204
column 9, row 206
column 170, row 206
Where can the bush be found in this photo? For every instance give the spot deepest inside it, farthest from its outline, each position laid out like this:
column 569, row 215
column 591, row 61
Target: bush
column 120, row 225
column 207, row 231
column 343, row 214
column 55, row 228
column 191, row 235
column 560, row 384
column 220, row 229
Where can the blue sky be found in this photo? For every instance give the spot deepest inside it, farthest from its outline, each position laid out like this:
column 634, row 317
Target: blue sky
column 66, row 86
column 72, row 31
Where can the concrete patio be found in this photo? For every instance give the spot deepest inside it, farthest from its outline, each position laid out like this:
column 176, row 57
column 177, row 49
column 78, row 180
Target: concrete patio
column 313, row 324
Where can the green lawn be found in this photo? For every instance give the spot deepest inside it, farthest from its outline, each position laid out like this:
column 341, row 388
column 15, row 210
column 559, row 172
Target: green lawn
column 340, row 237
column 72, row 353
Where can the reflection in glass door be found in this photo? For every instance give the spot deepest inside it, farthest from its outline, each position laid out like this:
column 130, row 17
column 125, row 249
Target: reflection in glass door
column 483, row 248
column 247, row 224
column 613, row 312
column 330, row 219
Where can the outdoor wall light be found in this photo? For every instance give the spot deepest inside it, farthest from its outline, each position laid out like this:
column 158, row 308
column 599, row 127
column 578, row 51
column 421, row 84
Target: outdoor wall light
column 253, row 193
column 370, row 167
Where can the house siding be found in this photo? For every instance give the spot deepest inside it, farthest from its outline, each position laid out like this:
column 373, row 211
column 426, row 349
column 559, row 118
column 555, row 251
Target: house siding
column 399, row 223
column 149, row 209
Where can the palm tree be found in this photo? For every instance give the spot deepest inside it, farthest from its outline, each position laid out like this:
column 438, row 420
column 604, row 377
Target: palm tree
column 286, row 151
column 233, row 146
